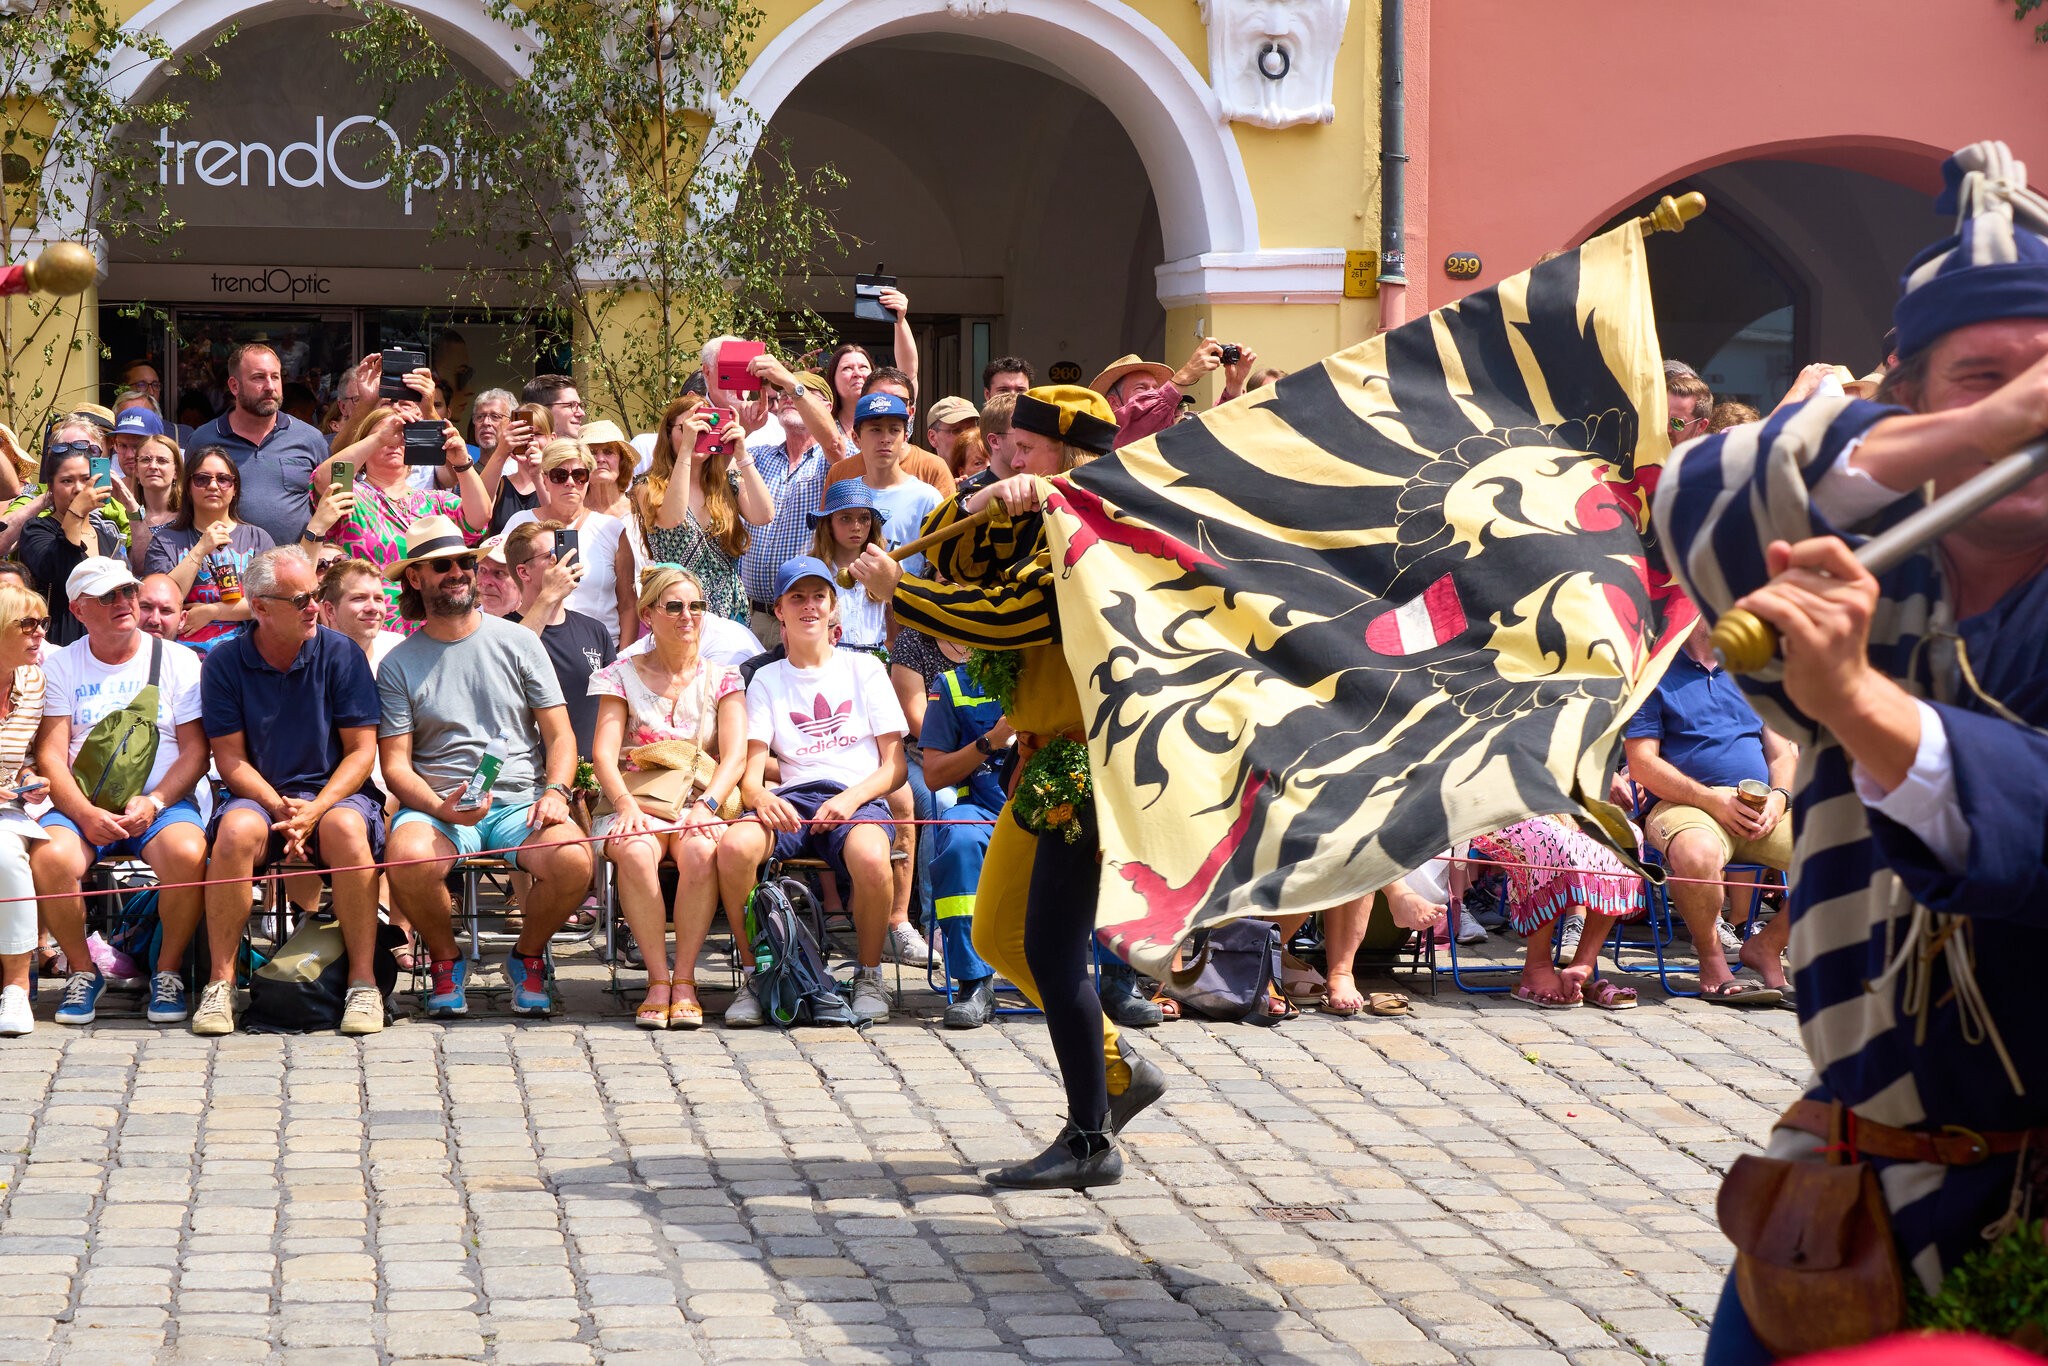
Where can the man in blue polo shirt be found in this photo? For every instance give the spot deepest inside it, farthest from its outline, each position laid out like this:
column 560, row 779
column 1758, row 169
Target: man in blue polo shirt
column 1691, row 747
column 275, row 453
column 291, row 708
column 966, row 743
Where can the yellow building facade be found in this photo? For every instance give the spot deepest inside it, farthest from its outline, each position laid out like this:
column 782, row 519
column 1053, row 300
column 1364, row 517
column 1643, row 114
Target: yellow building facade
column 1065, row 180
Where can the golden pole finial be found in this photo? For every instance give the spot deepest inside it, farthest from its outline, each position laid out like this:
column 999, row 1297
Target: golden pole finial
column 1671, row 215
column 63, row 268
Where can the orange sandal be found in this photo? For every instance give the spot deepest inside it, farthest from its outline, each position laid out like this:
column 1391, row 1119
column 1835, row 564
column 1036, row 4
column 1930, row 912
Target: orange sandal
column 684, row 1014
column 652, row 1014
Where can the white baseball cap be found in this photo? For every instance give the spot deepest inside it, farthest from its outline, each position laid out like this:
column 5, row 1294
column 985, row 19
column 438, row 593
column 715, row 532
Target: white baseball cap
column 97, row 574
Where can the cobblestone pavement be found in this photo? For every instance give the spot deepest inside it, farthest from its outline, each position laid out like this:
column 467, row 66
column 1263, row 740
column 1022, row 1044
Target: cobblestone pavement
column 1483, row 1182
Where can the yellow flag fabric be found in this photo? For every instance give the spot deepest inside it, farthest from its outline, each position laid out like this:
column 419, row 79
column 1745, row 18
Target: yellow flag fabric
column 1394, row 601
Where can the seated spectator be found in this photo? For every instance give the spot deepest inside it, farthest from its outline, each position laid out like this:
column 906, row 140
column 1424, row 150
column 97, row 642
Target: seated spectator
column 1556, row 873
column 65, row 525
column 291, row 709
column 1146, row 396
column 605, row 590
column 720, row 641
column 830, row 720
column 1691, row 747
column 352, row 601
column 793, row 472
column 1412, row 901
column 967, row 743
column 1690, row 406
column 903, row 500
column 577, row 645
column 207, row 547
column 463, row 686
column 160, row 607
column 948, row 419
column 102, row 812
column 24, row 618
column 1005, row 375
column 701, row 506
column 918, row 463
column 668, row 692
column 497, row 590
column 156, row 496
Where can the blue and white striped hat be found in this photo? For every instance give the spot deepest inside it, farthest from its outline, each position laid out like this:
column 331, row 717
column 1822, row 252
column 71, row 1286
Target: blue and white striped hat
column 1996, row 264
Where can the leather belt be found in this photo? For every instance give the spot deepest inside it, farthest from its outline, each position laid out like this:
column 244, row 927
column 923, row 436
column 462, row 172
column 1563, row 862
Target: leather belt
column 1950, row 1146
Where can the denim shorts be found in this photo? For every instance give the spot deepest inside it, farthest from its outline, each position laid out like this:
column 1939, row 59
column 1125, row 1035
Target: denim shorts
column 502, row 830
column 185, row 812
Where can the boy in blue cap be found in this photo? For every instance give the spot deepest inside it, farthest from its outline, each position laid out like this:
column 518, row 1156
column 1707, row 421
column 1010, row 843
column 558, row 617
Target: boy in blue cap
column 881, row 428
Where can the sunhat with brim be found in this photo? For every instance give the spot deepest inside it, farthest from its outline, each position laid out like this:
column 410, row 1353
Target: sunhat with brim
column 848, row 495
column 951, row 409
column 428, row 539
column 1130, row 365
column 603, row 432
column 564, row 450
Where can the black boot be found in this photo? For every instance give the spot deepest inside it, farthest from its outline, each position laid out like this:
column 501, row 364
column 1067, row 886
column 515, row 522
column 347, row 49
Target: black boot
column 1076, row 1160
column 973, row 1005
column 1124, row 1000
column 1147, row 1085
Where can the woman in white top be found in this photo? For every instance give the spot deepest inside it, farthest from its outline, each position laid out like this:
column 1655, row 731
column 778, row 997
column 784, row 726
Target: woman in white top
column 24, row 622
column 667, row 693
column 603, row 549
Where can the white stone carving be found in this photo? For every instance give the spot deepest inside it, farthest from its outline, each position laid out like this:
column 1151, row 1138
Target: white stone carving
column 1273, row 62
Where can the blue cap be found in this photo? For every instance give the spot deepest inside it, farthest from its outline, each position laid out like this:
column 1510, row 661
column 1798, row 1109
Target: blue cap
column 802, row 567
column 138, row 422
column 1995, row 265
column 879, row 404
column 843, row 496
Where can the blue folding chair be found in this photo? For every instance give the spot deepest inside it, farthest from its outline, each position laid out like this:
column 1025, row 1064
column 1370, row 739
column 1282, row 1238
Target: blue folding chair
column 1662, row 920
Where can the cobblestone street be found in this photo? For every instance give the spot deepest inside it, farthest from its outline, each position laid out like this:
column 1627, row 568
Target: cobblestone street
column 1482, row 1182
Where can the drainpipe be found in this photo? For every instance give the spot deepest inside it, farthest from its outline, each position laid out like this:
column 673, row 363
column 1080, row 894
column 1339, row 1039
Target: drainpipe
column 1393, row 166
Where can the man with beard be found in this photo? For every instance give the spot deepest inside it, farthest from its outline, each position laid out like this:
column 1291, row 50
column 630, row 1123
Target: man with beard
column 274, row 452
column 465, row 689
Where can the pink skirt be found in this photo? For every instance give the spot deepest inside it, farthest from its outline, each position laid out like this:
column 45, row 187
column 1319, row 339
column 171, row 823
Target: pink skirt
column 1569, row 869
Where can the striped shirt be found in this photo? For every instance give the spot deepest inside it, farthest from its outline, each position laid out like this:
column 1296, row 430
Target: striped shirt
column 18, row 731
column 1866, row 891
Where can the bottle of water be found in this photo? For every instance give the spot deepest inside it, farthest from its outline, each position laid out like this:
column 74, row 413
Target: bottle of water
column 477, row 791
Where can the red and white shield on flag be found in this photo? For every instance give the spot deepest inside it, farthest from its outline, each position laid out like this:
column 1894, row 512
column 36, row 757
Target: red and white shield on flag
column 1427, row 622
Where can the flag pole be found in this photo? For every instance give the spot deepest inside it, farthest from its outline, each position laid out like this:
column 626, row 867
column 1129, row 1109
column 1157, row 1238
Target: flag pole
column 1671, row 215
column 993, row 512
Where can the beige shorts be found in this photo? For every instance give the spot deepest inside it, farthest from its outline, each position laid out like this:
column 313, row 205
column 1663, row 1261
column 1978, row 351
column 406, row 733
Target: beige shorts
column 1667, row 819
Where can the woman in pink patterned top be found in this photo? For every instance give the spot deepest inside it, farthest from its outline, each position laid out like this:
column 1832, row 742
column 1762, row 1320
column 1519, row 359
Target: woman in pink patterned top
column 667, row 693
column 370, row 520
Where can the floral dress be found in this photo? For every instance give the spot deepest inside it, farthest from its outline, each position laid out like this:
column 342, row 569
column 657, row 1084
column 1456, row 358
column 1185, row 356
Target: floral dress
column 651, row 718
column 693, row 546
column 375, row 531
column 1551, row 866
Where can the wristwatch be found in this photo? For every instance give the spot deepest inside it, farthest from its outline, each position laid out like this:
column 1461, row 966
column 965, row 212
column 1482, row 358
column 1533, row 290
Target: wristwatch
column 1786, row 795
column 155, row 801
column 463, row 468
column 982, row 745
column 562, row 788
column 708, row 804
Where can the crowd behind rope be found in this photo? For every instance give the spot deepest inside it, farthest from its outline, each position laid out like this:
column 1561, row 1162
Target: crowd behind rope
column 543, row 586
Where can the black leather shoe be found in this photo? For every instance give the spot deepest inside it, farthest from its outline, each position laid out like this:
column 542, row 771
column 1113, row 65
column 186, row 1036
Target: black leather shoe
column 1124, row 1001
column 1148, row 1084
column 1067, row 1165
column 973, row 1006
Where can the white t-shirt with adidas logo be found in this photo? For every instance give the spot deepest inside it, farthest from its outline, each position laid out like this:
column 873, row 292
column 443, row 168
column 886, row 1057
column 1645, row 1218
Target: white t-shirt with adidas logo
column 821, row 724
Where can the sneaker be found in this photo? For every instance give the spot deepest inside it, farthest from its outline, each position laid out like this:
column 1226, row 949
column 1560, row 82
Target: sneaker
column 1730, row 937
column 529, row 979
column 16, row 1019
column 1569, row 931
column 81, row 1003
column 216, row 1013
column 1469, row 931
column 167, row 999
column 448, row 998
column 907, row 946
column 363, row 1011
column 745, row 1010
column 870, row 997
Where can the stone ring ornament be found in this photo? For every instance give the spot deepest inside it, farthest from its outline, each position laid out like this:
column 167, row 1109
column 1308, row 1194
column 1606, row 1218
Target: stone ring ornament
column 1267, row 69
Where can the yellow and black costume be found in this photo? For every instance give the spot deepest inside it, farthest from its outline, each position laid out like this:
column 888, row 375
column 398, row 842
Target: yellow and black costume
column 1034, row 909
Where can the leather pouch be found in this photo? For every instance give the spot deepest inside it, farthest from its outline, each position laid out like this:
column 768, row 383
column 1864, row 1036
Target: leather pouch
column 1815, row 1266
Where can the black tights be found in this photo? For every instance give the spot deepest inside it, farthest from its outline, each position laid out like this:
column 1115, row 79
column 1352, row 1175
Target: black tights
column 1059, row 946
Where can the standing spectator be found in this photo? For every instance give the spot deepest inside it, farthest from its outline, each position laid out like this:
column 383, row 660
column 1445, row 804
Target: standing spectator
column 1690, row 406
column 847, row 536
column 970, row 455
column 158, row 492
column 947, row 420
column 577, row 645
column 601, row 545
column 557, row 394
column 1146, row 396
column 87, row 685
column 275, row 454
column 24, row 618
column 612, row 459
column 995, row 433
column 847, row 370
column 668, row 692
column 64, row 525
column 1005, row 375
column 207, row 547
column 703, row 512
column 881, row 426
column 131, row 429
column 511, row 470
column 793, row 472
column 489, row 419
column 463, row 684
column 291, row 709
column 160, row 607
column 141, row 377
column 917, row 462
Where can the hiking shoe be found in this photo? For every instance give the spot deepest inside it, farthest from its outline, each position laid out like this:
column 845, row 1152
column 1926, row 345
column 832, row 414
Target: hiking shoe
column 216, row 1013
column 363, row 1011
column 16, row 1019
column 1124, row 1000
column 870, row 997
column 167, row 999
column 529, row 980
column 1569, row 931
column 745, row 1010
column 973, row 1005
column 81, row 1003
column 448, row 998
column 1469, row 931
column 907, row 946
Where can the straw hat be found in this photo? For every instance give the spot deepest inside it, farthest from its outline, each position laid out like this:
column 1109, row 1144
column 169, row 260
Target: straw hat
column 603, row 432
column 1130, row 365
column 427, row 539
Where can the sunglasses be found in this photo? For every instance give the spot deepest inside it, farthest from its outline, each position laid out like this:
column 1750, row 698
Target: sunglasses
column 299, row 601
column 563, row 475
column 676, row 609
column 448, row 564
column 37, row 625
column 209, row 478
column 58, row 450
column 126, row 590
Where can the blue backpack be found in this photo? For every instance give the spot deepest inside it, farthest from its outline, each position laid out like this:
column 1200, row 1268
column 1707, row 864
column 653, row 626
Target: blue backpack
column 790, row 977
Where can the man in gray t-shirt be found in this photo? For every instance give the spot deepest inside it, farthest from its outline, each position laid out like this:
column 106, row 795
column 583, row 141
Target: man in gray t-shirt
column 468, row 688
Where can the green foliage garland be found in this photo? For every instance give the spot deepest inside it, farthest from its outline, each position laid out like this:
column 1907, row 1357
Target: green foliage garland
column 996, row 673
column 1053, row 790
column 2000, row 1290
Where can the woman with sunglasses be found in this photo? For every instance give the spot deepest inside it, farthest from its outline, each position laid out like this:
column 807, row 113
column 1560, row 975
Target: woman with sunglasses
column 159, row 490
column 602, row 547
column 70, row 525
column 703, row 520
column 24, row 625
column 667, row 693
column 370, row 520
column 206, row 547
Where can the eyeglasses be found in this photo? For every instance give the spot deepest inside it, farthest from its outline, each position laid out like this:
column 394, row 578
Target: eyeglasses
column 299, row 601
column 58, row 450
column 209, row 478
column 676, row 609
column 563, row 474
column 147, row 386
column 38, row 625
column 575, row 403
column 448, row 564
column 126, row 590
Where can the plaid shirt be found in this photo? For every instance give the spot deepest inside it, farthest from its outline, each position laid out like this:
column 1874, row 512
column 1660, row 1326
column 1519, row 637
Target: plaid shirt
column 796, row 492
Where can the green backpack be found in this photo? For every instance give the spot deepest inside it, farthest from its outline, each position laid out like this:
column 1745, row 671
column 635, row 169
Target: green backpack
column 113, row 765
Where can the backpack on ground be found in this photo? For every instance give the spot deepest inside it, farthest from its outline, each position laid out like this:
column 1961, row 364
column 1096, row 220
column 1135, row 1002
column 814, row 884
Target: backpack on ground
column 790, row 978
column 1236, row 966
column 304, row 985
column 112, row 767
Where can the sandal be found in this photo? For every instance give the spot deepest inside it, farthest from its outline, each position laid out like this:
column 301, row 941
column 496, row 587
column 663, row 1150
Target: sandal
column 1607, row 994
column 1342, row 1001
column 1169, row 1009
column 1741, row 994
column 408, row 958
column 1299, row 981
column 1544, row 1000
column 684, row 1014
column 1387, row 1003
column 653, row 1015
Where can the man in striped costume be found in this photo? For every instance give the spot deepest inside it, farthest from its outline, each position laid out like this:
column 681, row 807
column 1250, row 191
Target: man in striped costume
column 1919, row 883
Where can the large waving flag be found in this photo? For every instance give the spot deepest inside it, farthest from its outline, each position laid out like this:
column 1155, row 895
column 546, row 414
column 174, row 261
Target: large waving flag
column 1402, row 598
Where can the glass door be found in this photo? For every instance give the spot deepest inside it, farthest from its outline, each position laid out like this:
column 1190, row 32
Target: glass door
column 314, row 350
